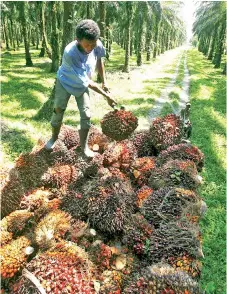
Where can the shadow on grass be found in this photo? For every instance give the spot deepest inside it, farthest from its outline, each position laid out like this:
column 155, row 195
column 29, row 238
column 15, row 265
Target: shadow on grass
column 137, row 101
column 15, row 140
column 205, row 127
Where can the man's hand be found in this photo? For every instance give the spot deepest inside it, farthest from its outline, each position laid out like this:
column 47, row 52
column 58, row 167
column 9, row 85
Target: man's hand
column 105, row 88
column 111, row 101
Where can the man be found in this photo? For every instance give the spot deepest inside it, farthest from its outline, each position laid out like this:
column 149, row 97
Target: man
column 79, row 61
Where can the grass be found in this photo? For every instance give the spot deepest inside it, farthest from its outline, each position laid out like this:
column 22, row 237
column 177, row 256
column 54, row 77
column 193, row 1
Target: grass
column 208, row 94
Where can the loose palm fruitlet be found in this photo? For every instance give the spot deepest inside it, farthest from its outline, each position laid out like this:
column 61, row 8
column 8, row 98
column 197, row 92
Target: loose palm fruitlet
column 119, row 124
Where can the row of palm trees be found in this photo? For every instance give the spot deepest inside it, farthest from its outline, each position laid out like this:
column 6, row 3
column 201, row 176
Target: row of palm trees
column 210, row 28
column 138, row 26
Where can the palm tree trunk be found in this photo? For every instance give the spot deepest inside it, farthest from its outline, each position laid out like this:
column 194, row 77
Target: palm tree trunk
column 22, row 6
column 142, row 15
column 128, row 31
column 88, row 8
column 102, row 21
column 45, row 41
column 220, row 47
column 212, row 45
column 6, row 32
column 156, row 37
column 54, row 38
column 67, row 24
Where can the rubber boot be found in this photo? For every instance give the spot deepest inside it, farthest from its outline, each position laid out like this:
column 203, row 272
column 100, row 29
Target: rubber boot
column 50, row 144
column 84, row 143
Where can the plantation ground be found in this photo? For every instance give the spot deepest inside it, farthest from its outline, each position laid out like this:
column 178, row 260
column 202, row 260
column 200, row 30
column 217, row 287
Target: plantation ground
column 24, row 90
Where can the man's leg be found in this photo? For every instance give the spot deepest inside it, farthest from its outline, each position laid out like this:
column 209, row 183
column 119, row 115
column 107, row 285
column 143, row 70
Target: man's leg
column 83, row 103
column 60, row 104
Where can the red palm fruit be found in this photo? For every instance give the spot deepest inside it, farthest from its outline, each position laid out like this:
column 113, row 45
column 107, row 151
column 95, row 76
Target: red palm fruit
column 119, row 124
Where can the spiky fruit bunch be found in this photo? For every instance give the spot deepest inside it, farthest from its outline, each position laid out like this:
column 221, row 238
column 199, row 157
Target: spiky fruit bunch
column 61, row 176
column 175, row 173
column 93, row 165
column 120, row 155
column 52, row 228
column 119, row 124
column 17, row 220
column 137, row 234
column 183, row 152
column 13, row 257
column 58, row 272
column 166, row 131
column 75, row 203
column 186, row 263
column 101, row 255
column 69, row 136
column 111, row 203
column 172, row 239
column 141, row 169
column 11, row 194
column 97, row 141
column 142, row 142
column 142, row 194
column 168, row 204
column 111, row 282
column 162, row 278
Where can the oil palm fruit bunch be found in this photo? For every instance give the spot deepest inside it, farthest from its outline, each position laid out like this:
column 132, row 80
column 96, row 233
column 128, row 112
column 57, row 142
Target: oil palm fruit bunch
column 13, row 256
column 168, row 204
column 59, row 272
column 186, row 263
column 110, row 203
column 119, row 155
column 101, row 255
column 141, row 169
column 76, row 204
column 60, row 176
column 137, row 233
column 69, row 136
column 183, row 152
column 162, row 278
column 52, row 228
column 16, row 221
column 142, row 194
column 111, row 282
column 97, row 141
column 172, row 239
column 142, row 142
column 93, row 165
column 119, row 124
column 166, row 131
column 175, row 173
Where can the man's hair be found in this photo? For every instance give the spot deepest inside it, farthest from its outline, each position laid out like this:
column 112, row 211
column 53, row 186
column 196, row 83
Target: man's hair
column 87, row 29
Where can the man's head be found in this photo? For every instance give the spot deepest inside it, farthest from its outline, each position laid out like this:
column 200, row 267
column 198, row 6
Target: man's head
column 87, row 34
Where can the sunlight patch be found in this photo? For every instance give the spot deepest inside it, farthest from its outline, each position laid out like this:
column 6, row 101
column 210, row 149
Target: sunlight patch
column 205, row 92
column 4, row 79
column 40, row 95
column 219, row 146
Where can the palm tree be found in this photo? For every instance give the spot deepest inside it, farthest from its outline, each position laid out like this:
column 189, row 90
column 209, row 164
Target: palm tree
column 158, row 14
column 23, row 16
column 129, row 10
column 211, row 21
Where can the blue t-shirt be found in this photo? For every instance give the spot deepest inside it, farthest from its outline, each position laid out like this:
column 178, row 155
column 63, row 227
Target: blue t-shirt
column 77, row 68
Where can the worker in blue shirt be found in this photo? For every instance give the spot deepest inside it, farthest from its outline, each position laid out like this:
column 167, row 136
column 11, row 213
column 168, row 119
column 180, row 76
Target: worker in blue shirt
column 80, row 59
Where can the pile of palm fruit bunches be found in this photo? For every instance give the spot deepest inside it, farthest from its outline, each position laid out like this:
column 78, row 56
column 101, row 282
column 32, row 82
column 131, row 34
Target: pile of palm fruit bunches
column 125, row 221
